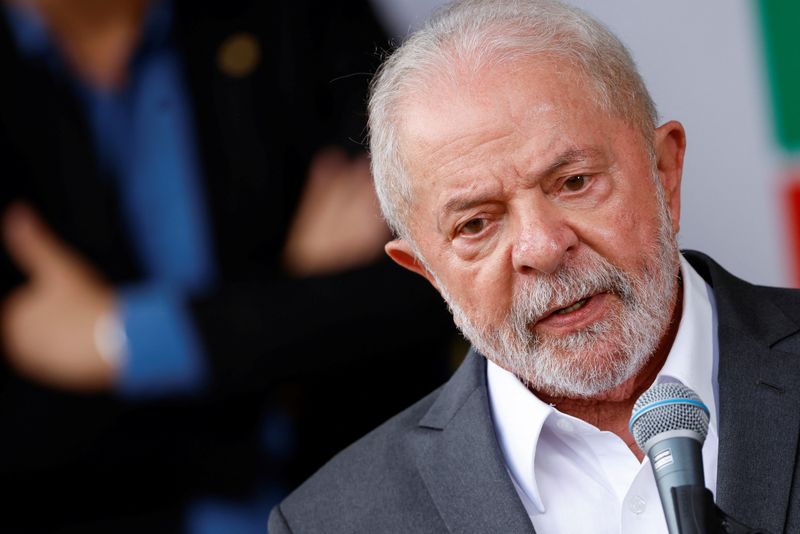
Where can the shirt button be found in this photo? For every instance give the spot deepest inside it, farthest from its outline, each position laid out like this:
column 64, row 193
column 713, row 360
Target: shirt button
column 637, row 504
column 564, row 425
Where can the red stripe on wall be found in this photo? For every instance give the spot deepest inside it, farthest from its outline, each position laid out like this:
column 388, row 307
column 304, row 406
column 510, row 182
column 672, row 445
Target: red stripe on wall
column 792, row 199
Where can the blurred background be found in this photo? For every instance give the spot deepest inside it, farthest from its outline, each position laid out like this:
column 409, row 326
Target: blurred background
column 197, row 311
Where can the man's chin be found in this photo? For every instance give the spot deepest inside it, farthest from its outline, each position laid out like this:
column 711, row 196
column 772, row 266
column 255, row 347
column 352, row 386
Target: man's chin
column 582, row 374
column 575, row 388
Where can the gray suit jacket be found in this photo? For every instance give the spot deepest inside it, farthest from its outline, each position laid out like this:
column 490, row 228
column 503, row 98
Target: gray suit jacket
column 437, row 466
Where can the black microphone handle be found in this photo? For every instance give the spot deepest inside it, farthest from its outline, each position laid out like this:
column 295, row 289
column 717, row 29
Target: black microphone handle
column 697, row 513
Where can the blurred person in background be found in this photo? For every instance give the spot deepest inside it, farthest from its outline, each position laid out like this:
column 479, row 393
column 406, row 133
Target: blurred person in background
column 193, row 301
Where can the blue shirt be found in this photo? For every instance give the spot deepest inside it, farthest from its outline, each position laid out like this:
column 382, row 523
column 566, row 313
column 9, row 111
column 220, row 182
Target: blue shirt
column 143, row 136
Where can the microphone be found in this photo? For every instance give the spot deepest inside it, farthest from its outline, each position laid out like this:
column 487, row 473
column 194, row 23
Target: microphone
column 670, row 423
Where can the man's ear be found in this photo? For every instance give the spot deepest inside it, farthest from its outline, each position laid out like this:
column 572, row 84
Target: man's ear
column 403, row 254
column 670, row 147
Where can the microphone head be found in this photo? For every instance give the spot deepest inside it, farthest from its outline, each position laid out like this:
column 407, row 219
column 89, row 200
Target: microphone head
column 668, row 407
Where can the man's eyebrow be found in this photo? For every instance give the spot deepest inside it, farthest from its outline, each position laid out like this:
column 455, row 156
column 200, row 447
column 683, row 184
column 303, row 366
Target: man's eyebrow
column 461, row 203
column 573, row 155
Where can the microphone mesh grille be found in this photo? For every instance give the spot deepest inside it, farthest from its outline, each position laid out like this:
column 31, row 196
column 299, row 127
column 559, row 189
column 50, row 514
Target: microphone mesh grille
column 668, row 417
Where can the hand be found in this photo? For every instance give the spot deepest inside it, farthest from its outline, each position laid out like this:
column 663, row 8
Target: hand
column 48, row 324
column 338, row 225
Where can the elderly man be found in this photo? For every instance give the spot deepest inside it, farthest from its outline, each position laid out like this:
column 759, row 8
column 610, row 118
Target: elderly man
column 518, row 159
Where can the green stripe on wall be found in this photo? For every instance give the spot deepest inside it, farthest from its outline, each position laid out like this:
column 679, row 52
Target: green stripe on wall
column 780, row 23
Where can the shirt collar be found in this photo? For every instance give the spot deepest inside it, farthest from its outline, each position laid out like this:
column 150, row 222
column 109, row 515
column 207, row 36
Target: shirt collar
column 696, row 336
column 519, row 416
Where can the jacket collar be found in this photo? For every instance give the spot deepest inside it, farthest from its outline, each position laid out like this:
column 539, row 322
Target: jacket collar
column 460, row 460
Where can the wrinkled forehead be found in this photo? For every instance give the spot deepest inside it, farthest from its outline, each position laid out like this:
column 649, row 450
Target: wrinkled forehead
column 452, row 106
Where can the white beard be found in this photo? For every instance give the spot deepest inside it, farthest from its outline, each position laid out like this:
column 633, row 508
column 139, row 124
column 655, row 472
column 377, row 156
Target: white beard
column 602, row 356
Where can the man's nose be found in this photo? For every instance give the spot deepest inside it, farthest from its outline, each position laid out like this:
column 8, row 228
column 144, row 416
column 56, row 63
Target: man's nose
column 544, row 238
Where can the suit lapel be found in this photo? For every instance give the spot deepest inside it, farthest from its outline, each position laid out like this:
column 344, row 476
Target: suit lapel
column 460, row 460
column 758, row 398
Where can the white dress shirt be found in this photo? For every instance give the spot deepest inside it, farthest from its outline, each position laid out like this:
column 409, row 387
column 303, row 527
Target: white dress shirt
column 574, row 478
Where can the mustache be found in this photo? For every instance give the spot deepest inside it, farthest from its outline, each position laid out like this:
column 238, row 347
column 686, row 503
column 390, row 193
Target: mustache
column 538, row 297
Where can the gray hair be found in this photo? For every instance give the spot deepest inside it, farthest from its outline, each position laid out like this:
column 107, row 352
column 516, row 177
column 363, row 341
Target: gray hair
column 473, row 34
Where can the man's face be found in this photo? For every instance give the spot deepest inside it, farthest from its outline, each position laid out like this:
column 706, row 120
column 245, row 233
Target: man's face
column 538, row 219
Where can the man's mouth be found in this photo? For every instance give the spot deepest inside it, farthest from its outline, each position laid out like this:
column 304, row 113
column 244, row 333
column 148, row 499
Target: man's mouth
column 574, row 315
column 577, row 306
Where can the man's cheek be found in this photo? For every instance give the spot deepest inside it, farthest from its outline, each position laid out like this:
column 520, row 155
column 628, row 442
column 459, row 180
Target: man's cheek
column 616, row 235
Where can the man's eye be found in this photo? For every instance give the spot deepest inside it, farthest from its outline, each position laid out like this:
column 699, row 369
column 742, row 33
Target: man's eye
column 473, row 226
column 575, row 183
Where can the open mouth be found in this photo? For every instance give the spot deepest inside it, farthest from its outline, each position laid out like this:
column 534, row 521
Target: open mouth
column 577, row 306
column 576, row 311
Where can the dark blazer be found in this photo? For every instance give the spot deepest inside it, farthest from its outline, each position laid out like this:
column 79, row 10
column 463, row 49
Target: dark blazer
column 305, row 348
column 437, row 466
